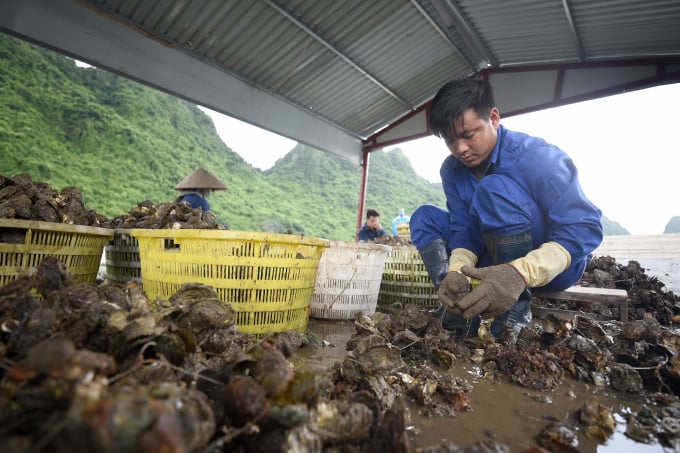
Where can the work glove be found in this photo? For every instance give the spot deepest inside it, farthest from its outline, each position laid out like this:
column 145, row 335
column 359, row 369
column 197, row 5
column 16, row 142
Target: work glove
column 497, row 292
column 453, row 288
column 539, row 267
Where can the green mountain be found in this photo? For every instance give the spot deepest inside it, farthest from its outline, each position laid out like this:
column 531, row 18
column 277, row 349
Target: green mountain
column 673, row 226
column 121, row 142
column 612, row 228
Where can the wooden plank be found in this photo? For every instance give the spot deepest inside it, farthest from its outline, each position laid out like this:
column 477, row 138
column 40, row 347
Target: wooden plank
column 605, row 296
column 587, row 294
column 569, row 315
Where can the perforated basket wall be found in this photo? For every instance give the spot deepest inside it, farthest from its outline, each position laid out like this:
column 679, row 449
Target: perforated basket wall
column 405, row 279
column 268, row 279
column 25, row 243
column 122, row 258
column 348, row 281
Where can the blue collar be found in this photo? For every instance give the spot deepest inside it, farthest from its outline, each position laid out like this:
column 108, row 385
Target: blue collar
column 495, row 154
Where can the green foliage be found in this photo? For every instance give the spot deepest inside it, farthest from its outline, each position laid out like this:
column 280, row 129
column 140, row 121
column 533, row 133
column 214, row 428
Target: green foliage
column 121, row 143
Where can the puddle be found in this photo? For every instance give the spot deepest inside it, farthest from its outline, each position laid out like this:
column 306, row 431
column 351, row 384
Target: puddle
column 504, row 412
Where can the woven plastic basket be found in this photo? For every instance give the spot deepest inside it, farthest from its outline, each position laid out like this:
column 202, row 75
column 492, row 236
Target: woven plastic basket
column 268, row 279
column 25, row 243
column 405, row 279
column 349, row 279
column 122, row 258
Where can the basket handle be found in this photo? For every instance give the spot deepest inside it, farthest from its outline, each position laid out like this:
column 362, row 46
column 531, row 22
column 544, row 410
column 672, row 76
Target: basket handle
column 170, row 244
column 343, row 289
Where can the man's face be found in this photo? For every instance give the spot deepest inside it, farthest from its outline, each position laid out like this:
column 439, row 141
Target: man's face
column 475, row 138
column 374, row 223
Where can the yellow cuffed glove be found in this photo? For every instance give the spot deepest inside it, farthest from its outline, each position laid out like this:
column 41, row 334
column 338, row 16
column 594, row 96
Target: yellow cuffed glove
column 539, row 267
column 461, row 257
column 502, row 284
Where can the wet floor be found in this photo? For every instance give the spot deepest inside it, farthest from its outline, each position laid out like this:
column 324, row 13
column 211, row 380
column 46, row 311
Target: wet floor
column 504, row 412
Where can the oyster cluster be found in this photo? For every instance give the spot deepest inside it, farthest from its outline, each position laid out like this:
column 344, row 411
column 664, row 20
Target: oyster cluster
column 387, row 239
column 102, row 368
column 23, row 198
column 171, row 215
column 406, row 354
column 647, row 295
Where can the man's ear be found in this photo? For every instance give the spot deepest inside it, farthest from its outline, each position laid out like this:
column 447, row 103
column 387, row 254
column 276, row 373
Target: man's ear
column 495, row 117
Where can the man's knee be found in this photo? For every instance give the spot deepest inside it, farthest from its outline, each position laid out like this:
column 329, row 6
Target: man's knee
column 427, row 224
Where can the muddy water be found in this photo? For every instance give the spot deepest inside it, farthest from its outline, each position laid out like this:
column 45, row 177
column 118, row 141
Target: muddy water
column 503, row 412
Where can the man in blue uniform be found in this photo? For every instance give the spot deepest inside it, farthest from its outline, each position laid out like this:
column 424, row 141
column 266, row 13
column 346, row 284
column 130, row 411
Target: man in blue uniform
column 372, row 228
column 516, row 216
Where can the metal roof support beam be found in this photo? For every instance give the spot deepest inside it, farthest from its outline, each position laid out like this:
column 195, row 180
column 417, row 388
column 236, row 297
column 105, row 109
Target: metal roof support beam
column 337, row 52
column 362, row 191
column 574, row 30
column 445, row 36
column 473, row 41
column 411, row 126
column 552, row 85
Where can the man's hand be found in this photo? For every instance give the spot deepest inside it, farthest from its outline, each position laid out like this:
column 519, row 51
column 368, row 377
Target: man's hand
column 497, row 292
column 454, row 287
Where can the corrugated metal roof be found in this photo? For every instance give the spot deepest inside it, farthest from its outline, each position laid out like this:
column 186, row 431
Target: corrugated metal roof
column 361, row 65
column 342, row 60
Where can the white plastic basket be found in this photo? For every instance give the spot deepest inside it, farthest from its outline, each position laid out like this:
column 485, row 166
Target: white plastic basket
column 348, row 280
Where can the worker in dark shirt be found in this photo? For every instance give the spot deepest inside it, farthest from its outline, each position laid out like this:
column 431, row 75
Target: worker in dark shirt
column 372, row 228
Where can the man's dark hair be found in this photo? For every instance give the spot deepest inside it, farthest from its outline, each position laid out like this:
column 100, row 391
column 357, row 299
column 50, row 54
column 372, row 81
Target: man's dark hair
column 454, row 99
column 372, row 213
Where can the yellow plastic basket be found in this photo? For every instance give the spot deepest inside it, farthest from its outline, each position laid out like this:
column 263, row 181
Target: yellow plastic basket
column 348, row 281
column 122, row 258
column 25, row 243
column 405, row 279
column 268, row 279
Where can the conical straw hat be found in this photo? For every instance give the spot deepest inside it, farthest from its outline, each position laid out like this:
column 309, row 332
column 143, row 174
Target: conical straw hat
column 201, row 179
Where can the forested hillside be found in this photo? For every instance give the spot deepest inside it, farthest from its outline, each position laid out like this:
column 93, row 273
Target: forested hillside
column 121, row 142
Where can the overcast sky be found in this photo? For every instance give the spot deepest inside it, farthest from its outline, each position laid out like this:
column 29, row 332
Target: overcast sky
column 625, row 147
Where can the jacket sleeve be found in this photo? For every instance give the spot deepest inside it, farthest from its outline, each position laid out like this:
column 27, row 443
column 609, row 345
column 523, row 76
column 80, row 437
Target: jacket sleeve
column 574, row 221
column 463, row 229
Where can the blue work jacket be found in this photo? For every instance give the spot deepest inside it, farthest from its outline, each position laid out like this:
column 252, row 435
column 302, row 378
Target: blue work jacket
column 545, row 183
column 195, row 200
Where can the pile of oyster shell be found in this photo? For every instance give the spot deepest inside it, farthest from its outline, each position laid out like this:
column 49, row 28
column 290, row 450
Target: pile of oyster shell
column 171, row 215
column 387, row 239
column 23, row 198
column 90, row 367
column 647, row 295
column 102, row 368
column 408, row 354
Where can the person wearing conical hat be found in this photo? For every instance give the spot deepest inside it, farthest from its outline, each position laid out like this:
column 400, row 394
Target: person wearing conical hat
column 197, row 187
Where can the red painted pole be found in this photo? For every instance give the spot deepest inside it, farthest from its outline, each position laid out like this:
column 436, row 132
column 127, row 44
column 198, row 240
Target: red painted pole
column 362, row 193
